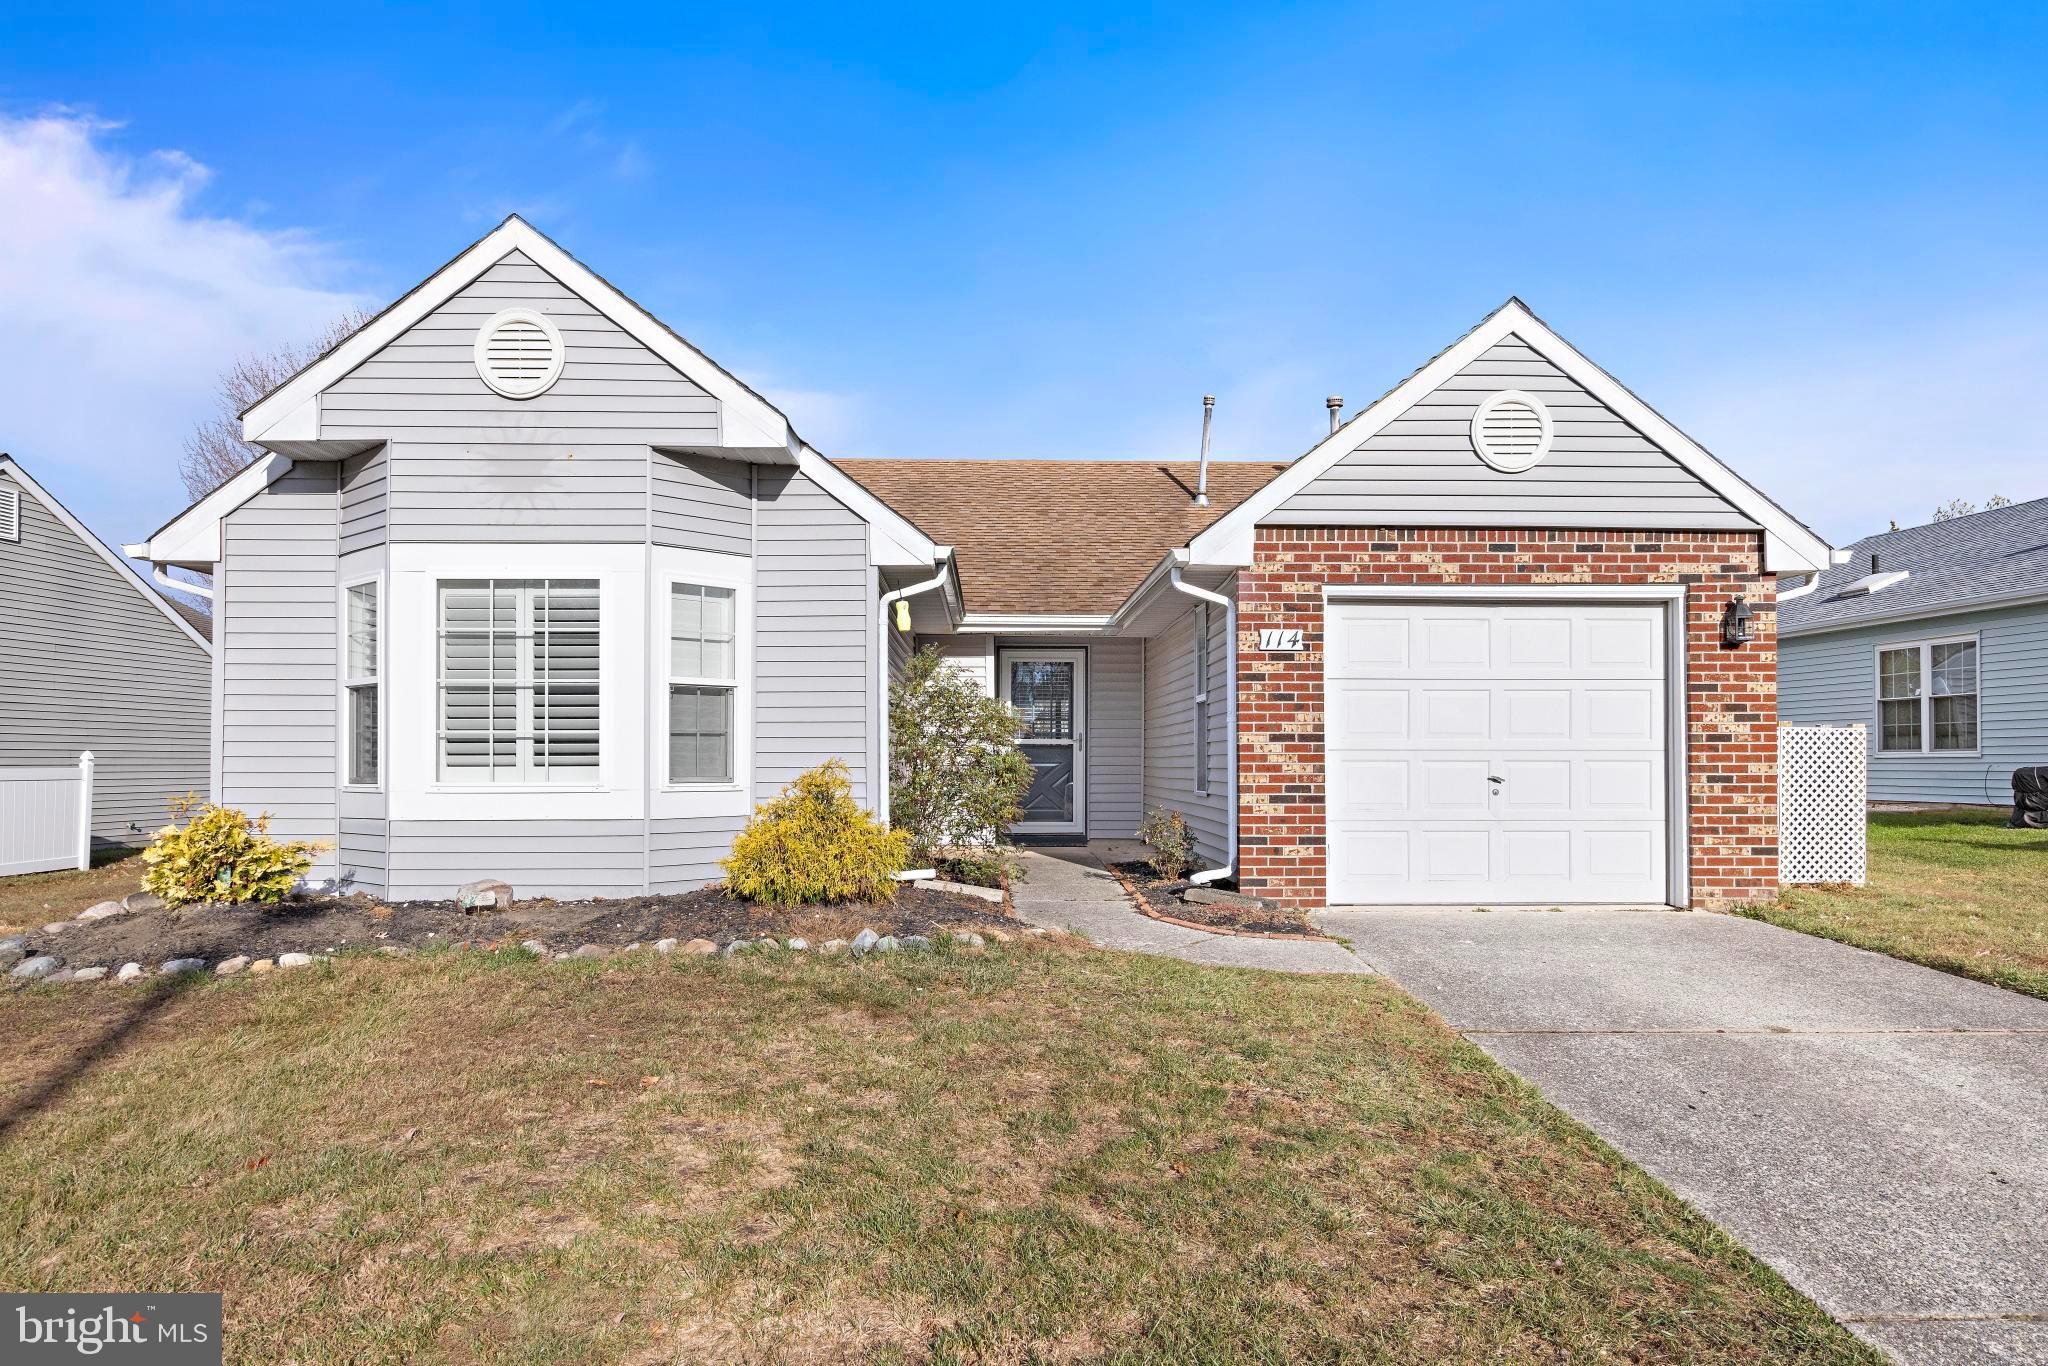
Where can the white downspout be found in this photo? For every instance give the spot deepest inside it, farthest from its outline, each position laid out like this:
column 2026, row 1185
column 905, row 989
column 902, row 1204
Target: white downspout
column 889, row 600
column 1229, row 606
column 156, row 571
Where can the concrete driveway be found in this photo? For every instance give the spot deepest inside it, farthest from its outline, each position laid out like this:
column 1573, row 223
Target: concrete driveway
column 1877, row 1132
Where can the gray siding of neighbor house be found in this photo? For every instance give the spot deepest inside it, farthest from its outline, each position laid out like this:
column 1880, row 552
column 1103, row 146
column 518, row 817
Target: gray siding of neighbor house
column 1170, row 731
column 1115, row 729
column 1421, row 469
column 816, row 609
column 1831, row 678
column 467, row 464
column 276, row 629
column 87, row 662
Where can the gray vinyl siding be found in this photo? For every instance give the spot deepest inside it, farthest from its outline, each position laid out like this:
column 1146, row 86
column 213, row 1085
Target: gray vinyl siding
column 1115, row 729
column 703, row 503
column 683, row 852
column 1421, row 469
column 278, row 633
column 567, row 859
column 364, row 481
column 1169, row 736
column 815, row 609
column 1831, row 678
column 467, row 464
column 87, row 662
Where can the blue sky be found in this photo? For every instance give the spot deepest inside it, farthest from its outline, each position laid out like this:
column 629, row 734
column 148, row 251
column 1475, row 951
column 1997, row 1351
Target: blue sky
column 1813, row 236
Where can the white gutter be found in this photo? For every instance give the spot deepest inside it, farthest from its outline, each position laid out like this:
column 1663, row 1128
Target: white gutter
column 1812, row 582
column 156, row 571
column 1229, row 606
column 889, row 600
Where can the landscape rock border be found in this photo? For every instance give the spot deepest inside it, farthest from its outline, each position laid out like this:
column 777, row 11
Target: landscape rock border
column 1146, row 908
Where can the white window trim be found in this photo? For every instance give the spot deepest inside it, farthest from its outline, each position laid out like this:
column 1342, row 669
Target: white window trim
column 348, row 681
column 738, row 580
column 1925, row 646
column 413, row 789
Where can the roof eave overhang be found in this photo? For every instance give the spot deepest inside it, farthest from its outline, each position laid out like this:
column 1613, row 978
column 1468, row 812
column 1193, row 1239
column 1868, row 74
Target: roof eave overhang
column 1790, row 546
column 192, row 539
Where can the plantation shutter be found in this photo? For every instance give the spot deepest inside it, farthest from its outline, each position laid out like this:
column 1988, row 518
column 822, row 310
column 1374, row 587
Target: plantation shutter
column 519, row 680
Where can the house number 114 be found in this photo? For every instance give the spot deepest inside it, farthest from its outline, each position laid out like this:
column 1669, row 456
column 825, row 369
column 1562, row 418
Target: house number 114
column 1280, row 638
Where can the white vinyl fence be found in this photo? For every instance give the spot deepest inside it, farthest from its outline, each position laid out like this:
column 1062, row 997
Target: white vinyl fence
column 46, row 818
column 1823, row 803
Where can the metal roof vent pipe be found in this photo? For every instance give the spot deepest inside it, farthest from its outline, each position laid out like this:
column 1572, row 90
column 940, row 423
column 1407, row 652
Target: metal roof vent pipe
column 1202, row 480
column 1335, row 403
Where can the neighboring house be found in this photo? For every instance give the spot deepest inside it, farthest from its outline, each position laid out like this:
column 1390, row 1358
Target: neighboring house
column 529, row 586
column 94, row 658
column 1936, row 638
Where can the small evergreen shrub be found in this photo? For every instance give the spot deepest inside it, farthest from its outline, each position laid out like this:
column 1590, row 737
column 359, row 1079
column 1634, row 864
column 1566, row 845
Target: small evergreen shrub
column 815, row 844
column 956, row 777
column 989, row 867
column 1173, row 848
column 221, row 854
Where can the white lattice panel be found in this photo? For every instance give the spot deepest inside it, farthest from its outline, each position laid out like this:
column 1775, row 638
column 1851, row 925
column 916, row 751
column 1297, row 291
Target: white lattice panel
column 1823, row 803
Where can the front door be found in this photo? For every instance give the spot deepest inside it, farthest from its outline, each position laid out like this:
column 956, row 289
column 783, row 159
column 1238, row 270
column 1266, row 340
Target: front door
column 1049, row 689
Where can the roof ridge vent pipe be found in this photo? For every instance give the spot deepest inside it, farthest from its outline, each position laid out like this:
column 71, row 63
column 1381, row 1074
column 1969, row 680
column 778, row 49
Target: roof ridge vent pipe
column 1335, row 403
column 1202, row 480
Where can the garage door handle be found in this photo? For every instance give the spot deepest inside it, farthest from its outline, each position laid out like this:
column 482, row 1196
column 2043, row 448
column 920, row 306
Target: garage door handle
column 1491, row 779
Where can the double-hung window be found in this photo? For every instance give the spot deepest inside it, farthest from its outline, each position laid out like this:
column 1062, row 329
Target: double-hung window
column 362, row 671
column 1927, row 697
column 703, row 683
column 1202, row 699
column 518, row 681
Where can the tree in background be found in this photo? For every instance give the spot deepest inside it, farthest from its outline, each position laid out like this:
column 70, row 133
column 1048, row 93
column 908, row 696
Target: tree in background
column 1963, row 507
column 215, row 452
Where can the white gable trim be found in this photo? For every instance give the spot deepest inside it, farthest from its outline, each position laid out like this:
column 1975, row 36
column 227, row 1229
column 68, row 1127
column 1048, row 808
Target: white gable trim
column 291, row 413
column 192, row 538
column 119, row 565
column 897, row 543
column 1789, row 547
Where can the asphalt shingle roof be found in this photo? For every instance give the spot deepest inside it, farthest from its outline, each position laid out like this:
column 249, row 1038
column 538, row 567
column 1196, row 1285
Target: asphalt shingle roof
column 1057, row 536
column 1997, row 553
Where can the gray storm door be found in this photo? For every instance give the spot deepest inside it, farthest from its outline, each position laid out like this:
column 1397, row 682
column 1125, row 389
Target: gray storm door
column 1049, row 689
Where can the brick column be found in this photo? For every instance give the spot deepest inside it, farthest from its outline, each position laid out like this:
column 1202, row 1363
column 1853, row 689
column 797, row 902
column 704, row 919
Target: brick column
column 1731, row 694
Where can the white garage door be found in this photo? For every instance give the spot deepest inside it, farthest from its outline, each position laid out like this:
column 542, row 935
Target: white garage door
column 1489, row 754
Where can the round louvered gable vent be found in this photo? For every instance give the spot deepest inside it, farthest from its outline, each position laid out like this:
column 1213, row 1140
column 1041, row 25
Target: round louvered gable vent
column 1511, row 431
column 519, row 353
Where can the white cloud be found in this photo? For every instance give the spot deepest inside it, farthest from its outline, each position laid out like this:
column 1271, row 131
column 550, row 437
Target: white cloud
column 120, row 303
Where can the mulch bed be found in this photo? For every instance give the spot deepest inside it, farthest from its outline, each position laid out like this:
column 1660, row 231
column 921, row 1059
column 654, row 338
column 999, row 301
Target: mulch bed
column 327, row 924
column 1164, row 899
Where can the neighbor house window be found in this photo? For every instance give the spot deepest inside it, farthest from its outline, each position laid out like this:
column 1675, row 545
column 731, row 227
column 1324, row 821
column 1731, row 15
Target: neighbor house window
column 1202, row 699
column 1927, row 697
column 703, row 681
column 361, row 672
column 518, row 687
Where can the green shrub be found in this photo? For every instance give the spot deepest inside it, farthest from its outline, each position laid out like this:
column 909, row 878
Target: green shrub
column 989, row 867
column 956, row 777
column 221, row 854
column 813, row 844
column 1173, row 848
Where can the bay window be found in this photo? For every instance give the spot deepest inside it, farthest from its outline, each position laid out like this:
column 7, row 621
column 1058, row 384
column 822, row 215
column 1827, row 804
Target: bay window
column 1927, row 697
column 517, row 688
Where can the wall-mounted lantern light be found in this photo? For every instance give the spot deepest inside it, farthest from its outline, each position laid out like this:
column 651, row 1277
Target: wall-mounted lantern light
column 1735, row 622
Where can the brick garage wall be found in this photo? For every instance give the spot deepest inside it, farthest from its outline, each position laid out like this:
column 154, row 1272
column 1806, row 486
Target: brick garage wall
column 1731, row 696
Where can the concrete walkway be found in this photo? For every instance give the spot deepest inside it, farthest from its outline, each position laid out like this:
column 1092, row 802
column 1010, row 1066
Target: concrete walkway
column 1068, row 889
column 1876, row 1131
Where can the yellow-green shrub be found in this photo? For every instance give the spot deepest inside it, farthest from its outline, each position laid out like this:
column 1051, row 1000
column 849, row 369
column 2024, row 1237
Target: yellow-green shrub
column 222, row 854
column 814, row 843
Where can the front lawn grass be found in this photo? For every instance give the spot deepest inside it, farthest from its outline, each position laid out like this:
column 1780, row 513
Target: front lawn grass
column 29, row 901
column 1048, row 1152
column 1952, row 889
